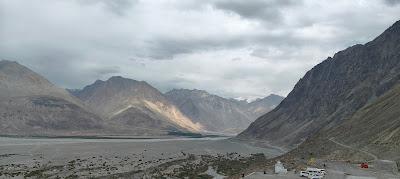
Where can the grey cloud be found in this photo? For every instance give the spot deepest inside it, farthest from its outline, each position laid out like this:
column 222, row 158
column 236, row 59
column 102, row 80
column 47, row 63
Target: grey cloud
column 107, row 70
column 118, row 7
column 167, row 48
column 392, row 2
column 263, row 10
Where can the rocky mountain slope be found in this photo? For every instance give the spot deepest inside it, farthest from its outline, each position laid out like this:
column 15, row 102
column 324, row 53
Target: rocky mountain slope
column 219, row 114
column 263, row 105
column 135, row 107
column 31, row 105
column 375, row 127
column 373, row 132
column 332, row 92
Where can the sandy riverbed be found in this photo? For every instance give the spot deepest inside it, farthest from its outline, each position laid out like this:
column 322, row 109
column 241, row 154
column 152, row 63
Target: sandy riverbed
column 93, row 157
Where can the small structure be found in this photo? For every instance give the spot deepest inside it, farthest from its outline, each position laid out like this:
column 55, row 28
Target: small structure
column 279, row 168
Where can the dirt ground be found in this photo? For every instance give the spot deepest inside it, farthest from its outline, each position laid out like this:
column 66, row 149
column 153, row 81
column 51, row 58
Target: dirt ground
column 51, row 158
column 342, row 170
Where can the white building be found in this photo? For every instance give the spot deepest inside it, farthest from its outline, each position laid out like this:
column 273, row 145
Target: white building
column 279, row 168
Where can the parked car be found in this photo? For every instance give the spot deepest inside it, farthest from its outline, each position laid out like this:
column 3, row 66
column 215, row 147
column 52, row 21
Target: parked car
column 364, row 165
column 303, row 174
column 315, row 177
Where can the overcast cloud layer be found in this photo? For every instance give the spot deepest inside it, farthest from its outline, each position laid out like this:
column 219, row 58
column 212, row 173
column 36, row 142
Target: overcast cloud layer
column 233, row 48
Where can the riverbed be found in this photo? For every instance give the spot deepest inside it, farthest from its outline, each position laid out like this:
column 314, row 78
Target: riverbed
column 94, row 157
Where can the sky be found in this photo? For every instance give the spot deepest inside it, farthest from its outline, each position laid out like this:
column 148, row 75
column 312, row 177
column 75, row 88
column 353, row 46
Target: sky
column 241, row 49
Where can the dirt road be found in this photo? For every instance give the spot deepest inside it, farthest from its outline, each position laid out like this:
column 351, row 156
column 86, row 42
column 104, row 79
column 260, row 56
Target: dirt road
column 352, row 148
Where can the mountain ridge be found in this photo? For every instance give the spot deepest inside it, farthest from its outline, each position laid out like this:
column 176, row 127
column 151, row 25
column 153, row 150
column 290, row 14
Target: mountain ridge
column 31, row 105
column 332, row 91
column 218, row 113
column 122, row 101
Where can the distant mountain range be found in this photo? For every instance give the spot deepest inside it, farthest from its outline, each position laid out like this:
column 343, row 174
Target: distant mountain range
column 351, row 98
column 31, row 105
column 220, row 114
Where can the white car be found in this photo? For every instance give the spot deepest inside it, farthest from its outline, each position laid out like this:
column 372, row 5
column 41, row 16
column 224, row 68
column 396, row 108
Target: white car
column 315, row 177
column 322, row 171
column 303, row 174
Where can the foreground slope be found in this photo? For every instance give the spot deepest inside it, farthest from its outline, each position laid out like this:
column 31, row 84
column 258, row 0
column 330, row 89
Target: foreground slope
column 31, row 105
column 373, row 132
column 135, row 107
column 332, row 91
column 218, row 114
column 375, row 128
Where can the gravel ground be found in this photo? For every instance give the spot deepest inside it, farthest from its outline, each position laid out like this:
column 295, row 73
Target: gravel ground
column 96, row 157
column 341, row 170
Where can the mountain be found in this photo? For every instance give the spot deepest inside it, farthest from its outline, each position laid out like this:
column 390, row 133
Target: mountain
column 373, row 132
column 134, row 107
column 332, row 92
column 219, row 114
column 263, row 105
column 31, row 105
column 375, row 127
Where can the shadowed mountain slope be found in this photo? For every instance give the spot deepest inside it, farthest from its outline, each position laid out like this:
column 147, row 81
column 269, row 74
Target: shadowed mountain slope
column 332, row 91
column 31, row 105
column 375, row 127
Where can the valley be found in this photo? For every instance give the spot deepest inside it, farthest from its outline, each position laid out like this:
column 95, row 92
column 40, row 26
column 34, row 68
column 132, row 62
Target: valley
column 216, row 89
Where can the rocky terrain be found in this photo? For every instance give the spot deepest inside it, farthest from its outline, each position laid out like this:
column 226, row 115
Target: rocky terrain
column 135, row 107
column 31, row 105
column 374, row 128
column 108, row 158
column 220, row 114
column 337, row 92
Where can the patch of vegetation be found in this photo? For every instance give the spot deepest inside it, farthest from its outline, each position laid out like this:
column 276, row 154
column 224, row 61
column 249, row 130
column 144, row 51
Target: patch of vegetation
column 73, row 176
column 192, row 170
column 230, row 167
column 35, row 173
column 204, row 176
column 185, row 134
column 41, row 173
column 224, row 165
column 231, row 164
column 190, row 134
column 7, row 155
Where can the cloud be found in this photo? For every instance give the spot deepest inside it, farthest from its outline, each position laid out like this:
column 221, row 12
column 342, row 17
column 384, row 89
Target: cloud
column 118, row 7
column 236, row 48
column 392, row 2
column 263, row 10
column 108, row 70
